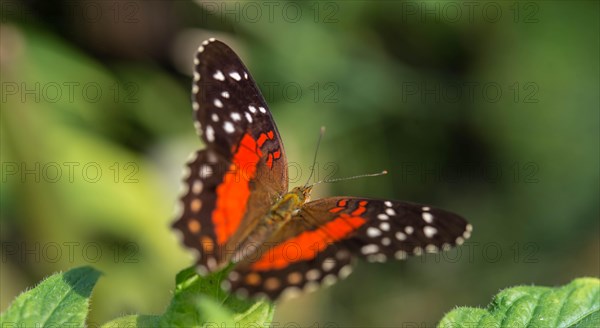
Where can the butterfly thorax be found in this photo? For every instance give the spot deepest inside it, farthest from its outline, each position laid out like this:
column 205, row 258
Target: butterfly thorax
column 289, row 204
column 279, row 214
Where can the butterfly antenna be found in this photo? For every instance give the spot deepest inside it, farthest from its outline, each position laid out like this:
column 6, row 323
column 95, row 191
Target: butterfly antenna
column 353, row 177
column 312, row 170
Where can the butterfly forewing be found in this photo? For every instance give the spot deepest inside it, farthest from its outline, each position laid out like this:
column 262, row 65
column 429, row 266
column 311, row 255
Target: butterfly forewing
column 392, row 229
column 233, row 120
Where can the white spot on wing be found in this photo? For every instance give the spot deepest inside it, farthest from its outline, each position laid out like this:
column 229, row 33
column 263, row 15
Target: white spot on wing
column 388, row 203
column 313, row 274
column 235, row 116
column 205, row 171
column 400, row 235
column 252, row 109
column 210, row 134
column 427, row 217
column 384, row 226
column 429, row 231
column 382, row 217
column 373, row 232
column 235, row 75
column 369, row 249
column 328, row 264
column 197, row 187
column 219, row 76
column 215, row 117
column 390, row 211
column 248, row 117
column 225, row 94
column 431, row 248
column 228, row 127
column 218, row 103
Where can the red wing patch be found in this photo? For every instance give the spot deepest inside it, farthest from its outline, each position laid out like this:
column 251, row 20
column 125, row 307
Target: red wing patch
column 233, row 193
column 308, row 244
column 272, row 155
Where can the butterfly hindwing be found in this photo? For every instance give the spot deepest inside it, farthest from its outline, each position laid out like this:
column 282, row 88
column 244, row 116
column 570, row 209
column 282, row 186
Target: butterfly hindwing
column 325, row 268
column 206, row 171
column 234, row 121
column 318, row 245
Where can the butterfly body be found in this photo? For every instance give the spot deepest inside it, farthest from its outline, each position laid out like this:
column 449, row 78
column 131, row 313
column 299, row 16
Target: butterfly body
column 276, row 219
column 238, row 208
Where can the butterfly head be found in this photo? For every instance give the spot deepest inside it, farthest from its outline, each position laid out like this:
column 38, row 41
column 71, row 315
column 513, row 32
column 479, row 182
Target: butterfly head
column 303, row 193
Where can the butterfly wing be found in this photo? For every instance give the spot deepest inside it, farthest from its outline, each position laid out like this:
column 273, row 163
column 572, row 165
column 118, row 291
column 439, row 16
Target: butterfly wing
column 233, row 182
column 318, row 245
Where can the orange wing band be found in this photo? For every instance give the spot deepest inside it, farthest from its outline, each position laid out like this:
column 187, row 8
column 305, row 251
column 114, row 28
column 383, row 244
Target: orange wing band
column 308, row 244
column 234, row 191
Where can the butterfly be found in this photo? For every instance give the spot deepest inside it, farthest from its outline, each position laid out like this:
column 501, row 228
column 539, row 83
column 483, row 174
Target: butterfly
column 238, row 211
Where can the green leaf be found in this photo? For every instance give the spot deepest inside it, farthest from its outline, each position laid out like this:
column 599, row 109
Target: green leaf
column 60, row 300
column 574, row 305
column 131, row 321
column 200, row 302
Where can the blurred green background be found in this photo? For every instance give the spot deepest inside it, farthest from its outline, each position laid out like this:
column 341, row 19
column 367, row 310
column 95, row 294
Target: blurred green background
column 489, row 109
